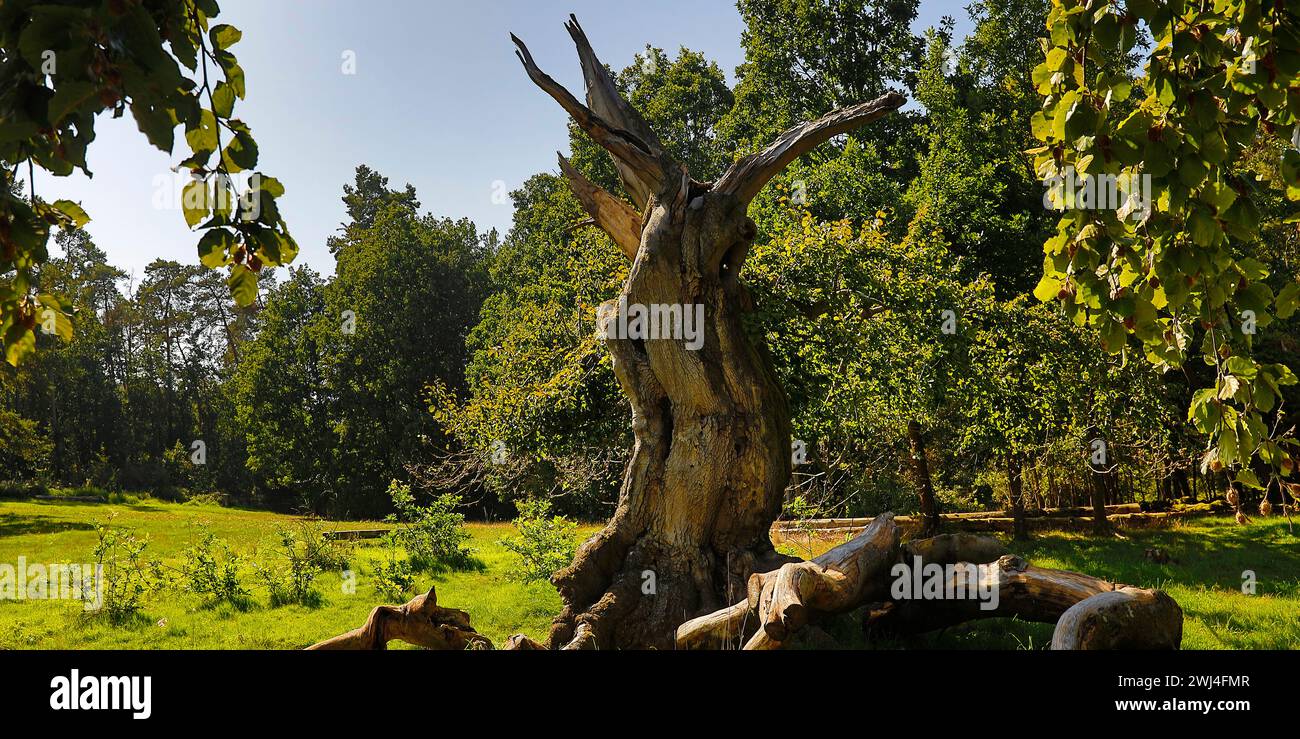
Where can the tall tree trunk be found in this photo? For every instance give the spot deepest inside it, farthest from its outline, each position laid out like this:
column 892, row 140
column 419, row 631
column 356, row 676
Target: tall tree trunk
column 1015, row 489
column 711, row 424
column 1100, row 524
column 924, row 487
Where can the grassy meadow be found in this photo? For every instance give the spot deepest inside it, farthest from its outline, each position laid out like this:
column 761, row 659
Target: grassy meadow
column 48, row 532
column 1206, row 580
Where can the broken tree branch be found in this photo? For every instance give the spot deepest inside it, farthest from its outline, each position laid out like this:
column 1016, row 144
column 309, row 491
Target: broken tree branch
column 605, row 101
column 640, row 164
column 613, row 215
column 780, row 602
column 747, row 177
column 421, row 622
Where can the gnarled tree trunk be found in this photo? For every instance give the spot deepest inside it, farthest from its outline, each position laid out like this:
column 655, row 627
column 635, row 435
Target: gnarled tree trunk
column 711, row 459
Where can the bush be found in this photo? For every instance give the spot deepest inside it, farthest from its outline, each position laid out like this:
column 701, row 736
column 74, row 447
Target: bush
column 15, row 490
column 205, row 499
column 433, row 535
column 212, row 569
column 545, row 543
column 127, row 577
column 320, row 550
column 292, row 581
column 394, row 577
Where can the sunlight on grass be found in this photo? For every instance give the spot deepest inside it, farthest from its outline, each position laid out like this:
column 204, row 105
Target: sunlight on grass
column 1212, row 555
column 62, row 532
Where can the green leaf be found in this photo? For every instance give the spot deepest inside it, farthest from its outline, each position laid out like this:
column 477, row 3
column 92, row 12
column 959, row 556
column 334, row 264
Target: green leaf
column 202, row 136
column 68, row 97
column 195, row 202
column 73, row 211
column 1288, row 300
column 224, row 36
column 223, row 100
column 215, row 247
column 240, row 153
column 243, row 285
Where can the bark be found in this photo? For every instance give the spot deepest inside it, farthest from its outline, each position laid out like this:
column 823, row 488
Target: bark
column 780, row 603
column 1089, row 613
column 421, row 622
column 1100, row 526
column 924, row 486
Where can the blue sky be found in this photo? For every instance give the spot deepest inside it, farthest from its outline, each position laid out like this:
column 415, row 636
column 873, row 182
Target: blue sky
column 438, row 100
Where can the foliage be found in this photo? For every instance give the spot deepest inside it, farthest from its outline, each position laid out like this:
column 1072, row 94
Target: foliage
column 1177, row 276
column 126, row 576
column 394, row 576
column 545, row 543
column 212, row 569
column 434, row 535
column 67, row 63
column 305, row 553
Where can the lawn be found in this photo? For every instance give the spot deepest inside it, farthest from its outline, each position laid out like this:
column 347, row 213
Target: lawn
column 49, row 532
column 1212, row 554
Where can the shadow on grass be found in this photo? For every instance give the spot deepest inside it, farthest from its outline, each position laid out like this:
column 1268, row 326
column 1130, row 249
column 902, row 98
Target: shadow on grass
column 12, row 524
column 468, row 563
column 1213, row 554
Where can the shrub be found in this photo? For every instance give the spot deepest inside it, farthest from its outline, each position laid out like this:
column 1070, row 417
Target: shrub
column 212, row 569
column 801, row 511
column 293, row 580
column 318, row 548
column 545, row 543
column 127, row 577
column 18, row 490
column 394, row 577
column 433, row 535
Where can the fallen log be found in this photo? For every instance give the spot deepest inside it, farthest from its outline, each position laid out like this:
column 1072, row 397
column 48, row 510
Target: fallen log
column 780, row 602
column 978, row 580
column 1089, row 613
column 421, row 622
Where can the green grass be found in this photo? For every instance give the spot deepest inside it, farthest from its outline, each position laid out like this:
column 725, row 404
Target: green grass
column 1212, row 554
column 47, row 532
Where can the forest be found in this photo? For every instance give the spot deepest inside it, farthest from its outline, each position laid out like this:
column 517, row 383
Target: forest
column 934, row 318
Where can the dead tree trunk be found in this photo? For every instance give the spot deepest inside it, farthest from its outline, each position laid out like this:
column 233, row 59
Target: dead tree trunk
column 712, row 428
column 924, row 486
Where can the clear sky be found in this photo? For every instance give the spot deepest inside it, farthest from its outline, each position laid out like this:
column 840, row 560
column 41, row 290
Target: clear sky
column 438, row 100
